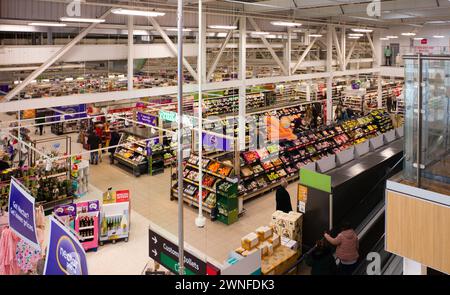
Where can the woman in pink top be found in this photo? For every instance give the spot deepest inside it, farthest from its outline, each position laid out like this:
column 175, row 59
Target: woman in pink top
column 347, row 247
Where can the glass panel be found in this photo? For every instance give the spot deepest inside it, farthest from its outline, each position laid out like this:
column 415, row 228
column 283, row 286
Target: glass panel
column 435, row 146
column 411, row 88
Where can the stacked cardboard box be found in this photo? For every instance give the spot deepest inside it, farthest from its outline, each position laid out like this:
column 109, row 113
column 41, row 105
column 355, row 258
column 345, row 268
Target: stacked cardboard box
column 288, row 225
column 262, row 239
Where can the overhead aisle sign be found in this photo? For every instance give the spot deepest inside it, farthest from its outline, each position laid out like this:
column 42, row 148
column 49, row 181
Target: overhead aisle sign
column 166, row 253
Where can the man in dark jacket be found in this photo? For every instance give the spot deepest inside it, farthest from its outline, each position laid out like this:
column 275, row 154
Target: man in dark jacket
column 115, row 138
column 94, row 145
column 282, row 197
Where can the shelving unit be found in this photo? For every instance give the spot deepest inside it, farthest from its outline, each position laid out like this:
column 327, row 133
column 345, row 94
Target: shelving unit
column 132, row 155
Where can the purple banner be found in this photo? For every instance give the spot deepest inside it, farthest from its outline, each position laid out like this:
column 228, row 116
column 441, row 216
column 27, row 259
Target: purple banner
column 22, row 219
column 147, row 119
column 65, row 255
column 216, row 142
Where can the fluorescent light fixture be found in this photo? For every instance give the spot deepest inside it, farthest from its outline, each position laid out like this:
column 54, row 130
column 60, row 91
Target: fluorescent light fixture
column 111, row 76
column 392, row 37
column 438, row 36
column 408, row 34
column 45, row 80
column 384, row 39
column 68, row 79
column 252, row 3
column 80, row 78
column 223, row 27
column 82, row 20
column 418, row 38
column 121, row 76
column 33, row 81
column 285, row 24
column 359, row 30
column 315, row 35
column 356, row 35
column 123, row 11
column 176, row 30
column 438, row 22
column 221, row 35
column 259, row 33
column 45, row 24
column 17, row 82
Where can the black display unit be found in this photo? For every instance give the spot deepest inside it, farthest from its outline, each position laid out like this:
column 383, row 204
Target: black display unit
column 356, row 189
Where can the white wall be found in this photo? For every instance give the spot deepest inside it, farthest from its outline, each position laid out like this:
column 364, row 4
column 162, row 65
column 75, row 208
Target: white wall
column 434, row 45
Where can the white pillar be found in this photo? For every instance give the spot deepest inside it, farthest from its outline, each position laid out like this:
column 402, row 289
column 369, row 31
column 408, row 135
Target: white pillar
column 343, row 47
column 329, row 117
column 130, row 61
column 378, row 56
column 411, row 267
column 242, row 77
column 287, row 51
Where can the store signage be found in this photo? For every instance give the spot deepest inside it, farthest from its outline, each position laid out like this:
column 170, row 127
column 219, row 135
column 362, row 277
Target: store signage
column 216, row 142
column 147, row 119
column 173, row 117
column 111, row 197
column 65, row 255
column 78, row 111
column 22, row 219
column 166, row 253
column 302, row 196
column 424, row 41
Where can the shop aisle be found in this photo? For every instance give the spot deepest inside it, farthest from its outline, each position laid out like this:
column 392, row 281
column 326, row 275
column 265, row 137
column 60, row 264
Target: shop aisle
column 150, row 198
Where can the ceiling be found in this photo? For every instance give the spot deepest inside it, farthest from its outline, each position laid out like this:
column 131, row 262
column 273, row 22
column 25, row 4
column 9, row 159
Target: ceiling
column 391, row 13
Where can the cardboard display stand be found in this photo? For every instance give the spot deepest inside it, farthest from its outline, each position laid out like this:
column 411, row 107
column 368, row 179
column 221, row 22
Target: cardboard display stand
column 115, row 216
column 326, row 164
column 362, row 148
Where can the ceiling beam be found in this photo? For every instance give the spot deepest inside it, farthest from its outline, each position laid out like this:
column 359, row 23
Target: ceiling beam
column 53, row 59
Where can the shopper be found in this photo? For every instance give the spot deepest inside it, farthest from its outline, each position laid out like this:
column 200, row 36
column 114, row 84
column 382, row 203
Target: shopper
column 321, row 259
column 115, row 138
column 283, row 198
column 94, row 145
column 388, row 56
column 4, row 164
column 347, row 247
column 40, row 120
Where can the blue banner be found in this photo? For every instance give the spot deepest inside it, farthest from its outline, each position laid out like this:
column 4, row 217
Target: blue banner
column 65, row 255
column 212, row 141
column 22, row 219
column 73, row 109
column 147, row 119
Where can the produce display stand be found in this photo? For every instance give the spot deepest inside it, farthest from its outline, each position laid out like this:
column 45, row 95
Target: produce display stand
column 115, row 216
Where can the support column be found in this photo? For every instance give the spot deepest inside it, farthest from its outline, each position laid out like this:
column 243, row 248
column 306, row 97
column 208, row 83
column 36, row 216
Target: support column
column 329, row 117
column 343, row 47
column 49, row 37
column 377, row 56
column 287, row 52
column 242, row 77
column 130, row 62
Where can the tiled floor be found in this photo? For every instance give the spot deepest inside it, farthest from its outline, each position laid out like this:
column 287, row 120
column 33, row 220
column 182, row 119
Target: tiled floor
column 150, row 203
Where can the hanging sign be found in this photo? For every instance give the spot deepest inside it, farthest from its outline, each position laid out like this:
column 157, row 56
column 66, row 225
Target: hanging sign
column 147, row 119
column 65, row 255
column 22, row 219
column 173, row 117
column 213, row 141
column 166, row 253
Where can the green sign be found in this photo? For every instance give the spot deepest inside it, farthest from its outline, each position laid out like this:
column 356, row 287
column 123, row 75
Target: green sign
column 173, row 265
column 173, row 117
column 315, row 180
